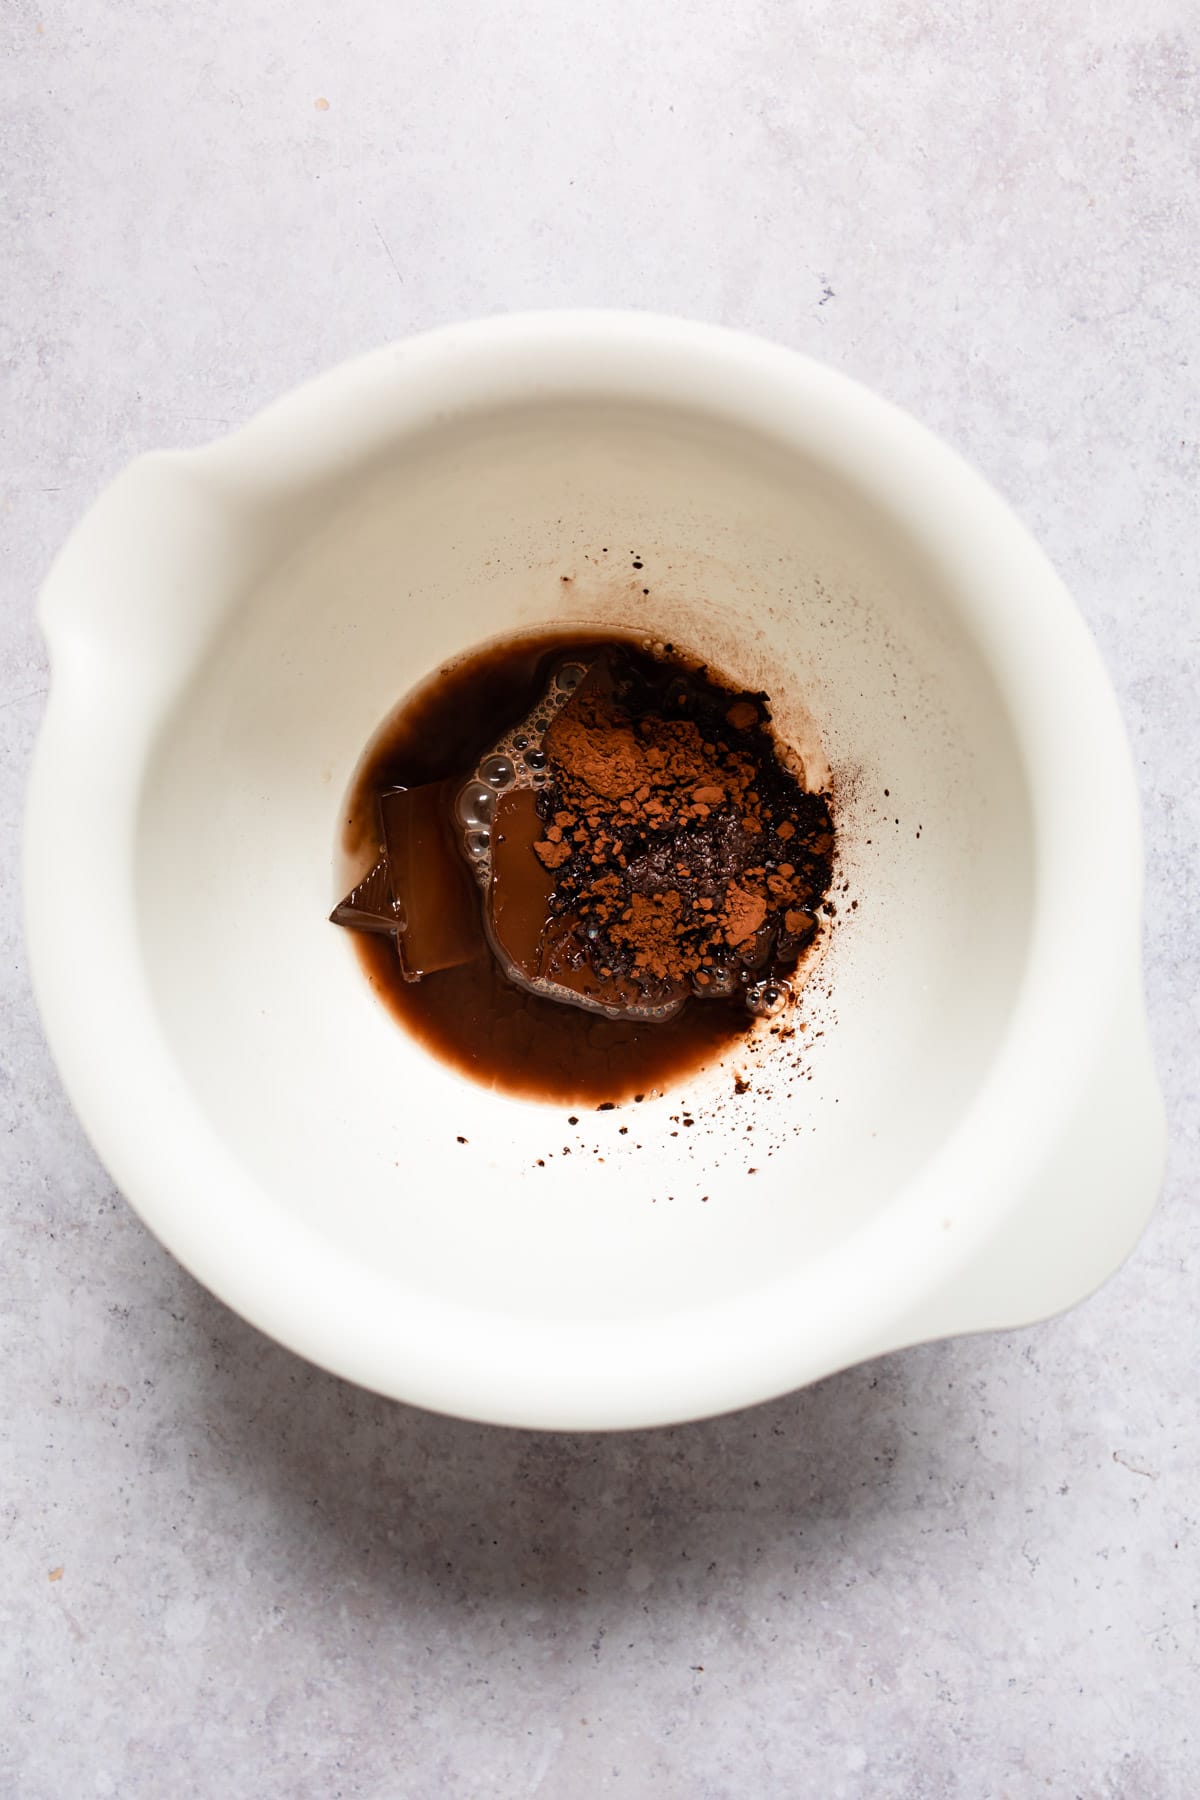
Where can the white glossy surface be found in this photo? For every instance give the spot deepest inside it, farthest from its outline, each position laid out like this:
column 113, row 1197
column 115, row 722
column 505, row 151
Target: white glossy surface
column 964, row 1570
column 233, row 625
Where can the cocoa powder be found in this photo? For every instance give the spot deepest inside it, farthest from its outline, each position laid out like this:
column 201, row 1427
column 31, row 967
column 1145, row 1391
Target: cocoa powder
column 684, row 851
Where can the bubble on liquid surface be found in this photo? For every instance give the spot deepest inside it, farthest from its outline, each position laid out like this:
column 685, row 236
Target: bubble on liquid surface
column 516, row 761
column 719, row 982
column 497, row 771
column 476, row 805
column 766, row 999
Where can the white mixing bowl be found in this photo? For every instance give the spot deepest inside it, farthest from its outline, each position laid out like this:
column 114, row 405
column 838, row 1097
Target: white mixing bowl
column 967, row 1135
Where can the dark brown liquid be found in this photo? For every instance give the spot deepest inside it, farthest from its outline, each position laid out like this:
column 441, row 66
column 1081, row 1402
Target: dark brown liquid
column 472, row 1016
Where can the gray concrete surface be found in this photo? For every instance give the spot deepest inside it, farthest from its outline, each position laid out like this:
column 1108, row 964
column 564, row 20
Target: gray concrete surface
column 970, row 1571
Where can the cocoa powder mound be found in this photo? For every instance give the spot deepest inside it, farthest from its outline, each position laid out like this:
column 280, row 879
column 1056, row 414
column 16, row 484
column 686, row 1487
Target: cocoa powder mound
column 684, row 851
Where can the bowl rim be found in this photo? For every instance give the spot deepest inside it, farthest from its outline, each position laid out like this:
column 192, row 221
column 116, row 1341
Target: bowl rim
column 277, row 1272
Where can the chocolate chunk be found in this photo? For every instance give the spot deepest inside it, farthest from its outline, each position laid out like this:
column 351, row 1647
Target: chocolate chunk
column 420, row 889
column 370, row 906
column 518, row 901
column 429, row 879
column 545, row 950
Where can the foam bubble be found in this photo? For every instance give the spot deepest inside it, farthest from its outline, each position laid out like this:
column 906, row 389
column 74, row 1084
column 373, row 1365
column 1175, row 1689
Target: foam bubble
column 497, row 771
column 476, row 805
column 766, row 999
column 516, row 761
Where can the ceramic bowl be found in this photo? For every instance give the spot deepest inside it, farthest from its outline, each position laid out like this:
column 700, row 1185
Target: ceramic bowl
column 966, row 1134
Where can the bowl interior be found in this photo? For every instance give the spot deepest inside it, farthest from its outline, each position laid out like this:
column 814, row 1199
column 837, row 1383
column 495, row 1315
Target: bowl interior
column 788, row 575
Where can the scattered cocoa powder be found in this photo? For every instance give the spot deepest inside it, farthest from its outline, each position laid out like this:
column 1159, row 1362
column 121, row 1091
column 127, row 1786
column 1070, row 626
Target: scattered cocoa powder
column 666, row 813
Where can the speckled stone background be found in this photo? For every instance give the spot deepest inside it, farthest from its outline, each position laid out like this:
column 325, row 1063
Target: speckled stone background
column 968, row 1571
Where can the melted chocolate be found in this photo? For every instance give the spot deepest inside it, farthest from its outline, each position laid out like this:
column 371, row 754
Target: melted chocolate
column 471, row 1014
